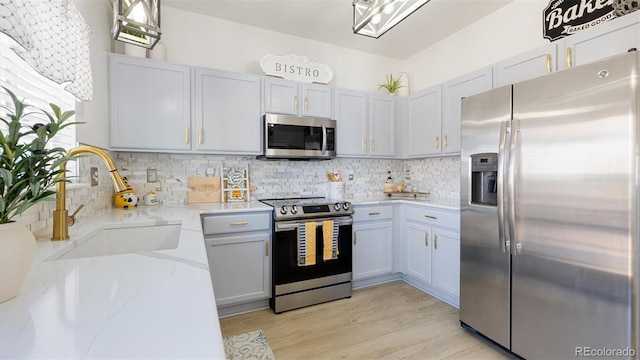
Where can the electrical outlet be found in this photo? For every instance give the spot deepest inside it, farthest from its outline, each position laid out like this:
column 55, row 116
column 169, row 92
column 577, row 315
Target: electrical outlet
column 152, row 175
column 94, row 176
column 350, row 176
column 407, row 174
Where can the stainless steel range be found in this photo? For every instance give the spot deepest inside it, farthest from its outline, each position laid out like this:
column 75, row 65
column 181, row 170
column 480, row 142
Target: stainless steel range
column 311, row 258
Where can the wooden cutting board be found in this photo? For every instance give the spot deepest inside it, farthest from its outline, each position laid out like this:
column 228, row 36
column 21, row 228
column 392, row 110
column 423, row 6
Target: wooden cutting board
column 203, row 189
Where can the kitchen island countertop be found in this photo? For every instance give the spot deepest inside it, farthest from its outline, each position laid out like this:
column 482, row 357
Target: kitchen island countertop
column 157, row 304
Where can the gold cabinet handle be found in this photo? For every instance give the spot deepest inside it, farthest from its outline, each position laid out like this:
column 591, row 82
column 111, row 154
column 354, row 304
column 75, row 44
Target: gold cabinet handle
column 366, row 144
column 200, row 136
column 355, row 238
column 569, row 56
column 435, row 242
column 548, row 63
column 266, row 248
column 186, row 135
column 239, row 223
column 437, row 143
column 373, row 145
column 431, row 217
column 306, row 103
column 374, row 213
column 295, row 103
column 445, row 143
column 426, row 239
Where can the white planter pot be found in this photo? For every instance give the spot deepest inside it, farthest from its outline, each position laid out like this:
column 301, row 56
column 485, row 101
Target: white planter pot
column 135, row 50
column 17, row 249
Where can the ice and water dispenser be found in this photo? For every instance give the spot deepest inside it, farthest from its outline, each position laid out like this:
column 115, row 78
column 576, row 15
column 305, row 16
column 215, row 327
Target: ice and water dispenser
column 484, row 179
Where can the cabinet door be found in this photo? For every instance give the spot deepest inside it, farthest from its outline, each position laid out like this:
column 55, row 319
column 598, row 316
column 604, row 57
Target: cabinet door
column 227, row 109
column 281, row 96
column 446, row 261
column 351, row 117
column 538, row 62
column 614, row 37
column 239, row 268
column 453, row 91
column 382, row 125
column 316, row 101
column 149, row 104
column 372, row 249
column 418, row 247
column 424, row 122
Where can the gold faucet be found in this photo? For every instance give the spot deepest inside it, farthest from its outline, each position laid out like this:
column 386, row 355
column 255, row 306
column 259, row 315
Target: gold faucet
column 60, row 214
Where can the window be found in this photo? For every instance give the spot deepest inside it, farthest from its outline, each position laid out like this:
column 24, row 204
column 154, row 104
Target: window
column 18, row 76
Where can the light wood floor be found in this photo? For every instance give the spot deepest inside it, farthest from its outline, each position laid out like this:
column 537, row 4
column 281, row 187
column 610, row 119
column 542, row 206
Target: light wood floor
column 389, row 321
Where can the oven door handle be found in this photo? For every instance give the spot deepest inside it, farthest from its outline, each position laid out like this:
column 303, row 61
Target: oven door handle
column 287, row 226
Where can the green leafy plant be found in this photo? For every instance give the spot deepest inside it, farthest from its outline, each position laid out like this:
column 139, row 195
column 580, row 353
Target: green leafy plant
column 392, row 85
column 28, row 169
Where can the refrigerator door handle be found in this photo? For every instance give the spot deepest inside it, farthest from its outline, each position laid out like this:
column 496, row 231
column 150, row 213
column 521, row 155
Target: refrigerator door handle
column 511, row 186
column 502, row 156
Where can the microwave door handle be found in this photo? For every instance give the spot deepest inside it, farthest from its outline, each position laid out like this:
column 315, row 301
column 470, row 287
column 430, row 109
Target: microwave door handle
column 324, row 139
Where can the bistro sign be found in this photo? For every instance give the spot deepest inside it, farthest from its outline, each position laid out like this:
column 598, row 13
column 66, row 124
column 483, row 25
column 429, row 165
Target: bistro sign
column 298, row 68
column 566, row 17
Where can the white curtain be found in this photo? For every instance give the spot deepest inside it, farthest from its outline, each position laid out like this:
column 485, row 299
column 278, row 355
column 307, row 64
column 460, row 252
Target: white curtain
column 54, row 40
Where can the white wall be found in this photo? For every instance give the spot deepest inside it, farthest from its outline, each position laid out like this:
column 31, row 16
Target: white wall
column 512, row 30
column 199, row 40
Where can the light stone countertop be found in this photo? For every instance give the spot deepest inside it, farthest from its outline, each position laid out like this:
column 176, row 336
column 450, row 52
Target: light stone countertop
column 156, row 304
column 447, row 204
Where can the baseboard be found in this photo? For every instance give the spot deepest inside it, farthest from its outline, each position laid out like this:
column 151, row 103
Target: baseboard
column 448, row 298
column 237, row 309
column 359, row 284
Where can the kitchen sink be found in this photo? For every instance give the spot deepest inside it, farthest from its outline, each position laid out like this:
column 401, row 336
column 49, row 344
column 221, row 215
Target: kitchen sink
column 122, row 240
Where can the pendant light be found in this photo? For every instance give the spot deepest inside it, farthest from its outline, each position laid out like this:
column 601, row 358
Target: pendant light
column 375, row 17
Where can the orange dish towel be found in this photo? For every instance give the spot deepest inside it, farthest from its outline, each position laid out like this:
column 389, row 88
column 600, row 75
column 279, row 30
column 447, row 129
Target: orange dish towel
column 327, row 240
column 310, row 258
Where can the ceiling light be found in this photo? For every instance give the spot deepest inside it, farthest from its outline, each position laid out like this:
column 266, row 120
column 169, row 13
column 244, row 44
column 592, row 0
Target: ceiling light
column 137, row 22
column 375, row 17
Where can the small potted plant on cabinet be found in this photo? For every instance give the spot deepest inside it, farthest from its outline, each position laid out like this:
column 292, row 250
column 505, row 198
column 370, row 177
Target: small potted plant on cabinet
column 392, row 84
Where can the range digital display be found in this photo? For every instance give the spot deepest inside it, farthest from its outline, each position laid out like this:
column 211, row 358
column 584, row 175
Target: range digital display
column 310, row 209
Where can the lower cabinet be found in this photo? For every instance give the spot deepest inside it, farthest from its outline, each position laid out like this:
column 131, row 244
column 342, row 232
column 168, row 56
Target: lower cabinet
column 418, row 260
column 372, row 241
column 238, row 250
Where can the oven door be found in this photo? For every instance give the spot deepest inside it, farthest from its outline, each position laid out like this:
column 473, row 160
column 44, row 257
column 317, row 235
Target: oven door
column 289, row 137
column 285, row 252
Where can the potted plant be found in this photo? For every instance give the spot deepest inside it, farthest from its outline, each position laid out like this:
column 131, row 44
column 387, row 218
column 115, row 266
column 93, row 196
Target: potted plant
column 392, row 85
column 29, row 170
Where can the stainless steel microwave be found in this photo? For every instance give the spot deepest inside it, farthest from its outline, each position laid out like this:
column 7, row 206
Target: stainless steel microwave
column 293, row 137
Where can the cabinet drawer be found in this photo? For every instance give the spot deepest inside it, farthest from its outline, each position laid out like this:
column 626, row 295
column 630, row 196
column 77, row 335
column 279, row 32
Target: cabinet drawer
column 434, row 217
column 221, row 224
column 371, row 213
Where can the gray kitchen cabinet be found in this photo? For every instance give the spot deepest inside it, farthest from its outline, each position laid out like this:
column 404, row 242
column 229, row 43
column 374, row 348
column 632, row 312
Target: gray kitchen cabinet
column 537, row 62
column 432, row 251
column 227, row 112
column 452, row 93
column 372, row 241
column 149, row 105
column 366, row 124
column 613, row 37
column 238, row 250
column 300, row 99
column 424, row 123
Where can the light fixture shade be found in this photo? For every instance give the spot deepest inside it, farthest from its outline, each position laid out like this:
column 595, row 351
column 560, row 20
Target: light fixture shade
column 388, row 12
column 137, row 22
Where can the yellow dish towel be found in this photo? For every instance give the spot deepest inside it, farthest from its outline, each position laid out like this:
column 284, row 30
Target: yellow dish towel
column 327, row 240
column 310, row 240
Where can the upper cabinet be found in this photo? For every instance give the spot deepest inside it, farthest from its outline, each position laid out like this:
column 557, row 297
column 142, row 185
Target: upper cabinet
column 424, row 123
column 365, row 124
column 149, row 105
column 534, row 63
column 227, row 112
column 452, row 93
column 613, row 37
column 294, row 98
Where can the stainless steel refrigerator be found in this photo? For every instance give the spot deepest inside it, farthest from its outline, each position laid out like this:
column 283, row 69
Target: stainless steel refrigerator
column 549, row 212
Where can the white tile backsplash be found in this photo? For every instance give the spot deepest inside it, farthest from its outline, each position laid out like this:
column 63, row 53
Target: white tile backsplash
column 273, row 179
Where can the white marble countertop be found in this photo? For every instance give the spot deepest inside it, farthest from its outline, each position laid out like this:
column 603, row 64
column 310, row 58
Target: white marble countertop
column 447, row 204
column 156, row 304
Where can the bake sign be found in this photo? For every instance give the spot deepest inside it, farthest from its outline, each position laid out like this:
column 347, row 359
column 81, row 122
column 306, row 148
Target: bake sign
column 566, row 17
column 298, row 68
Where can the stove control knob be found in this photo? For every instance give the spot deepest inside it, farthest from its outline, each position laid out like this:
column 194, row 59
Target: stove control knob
column 283, row 210
column 294, row 209
column 346, row 206
column 337, row 207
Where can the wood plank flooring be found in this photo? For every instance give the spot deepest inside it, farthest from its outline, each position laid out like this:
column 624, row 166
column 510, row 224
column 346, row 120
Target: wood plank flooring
column 389, row 321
